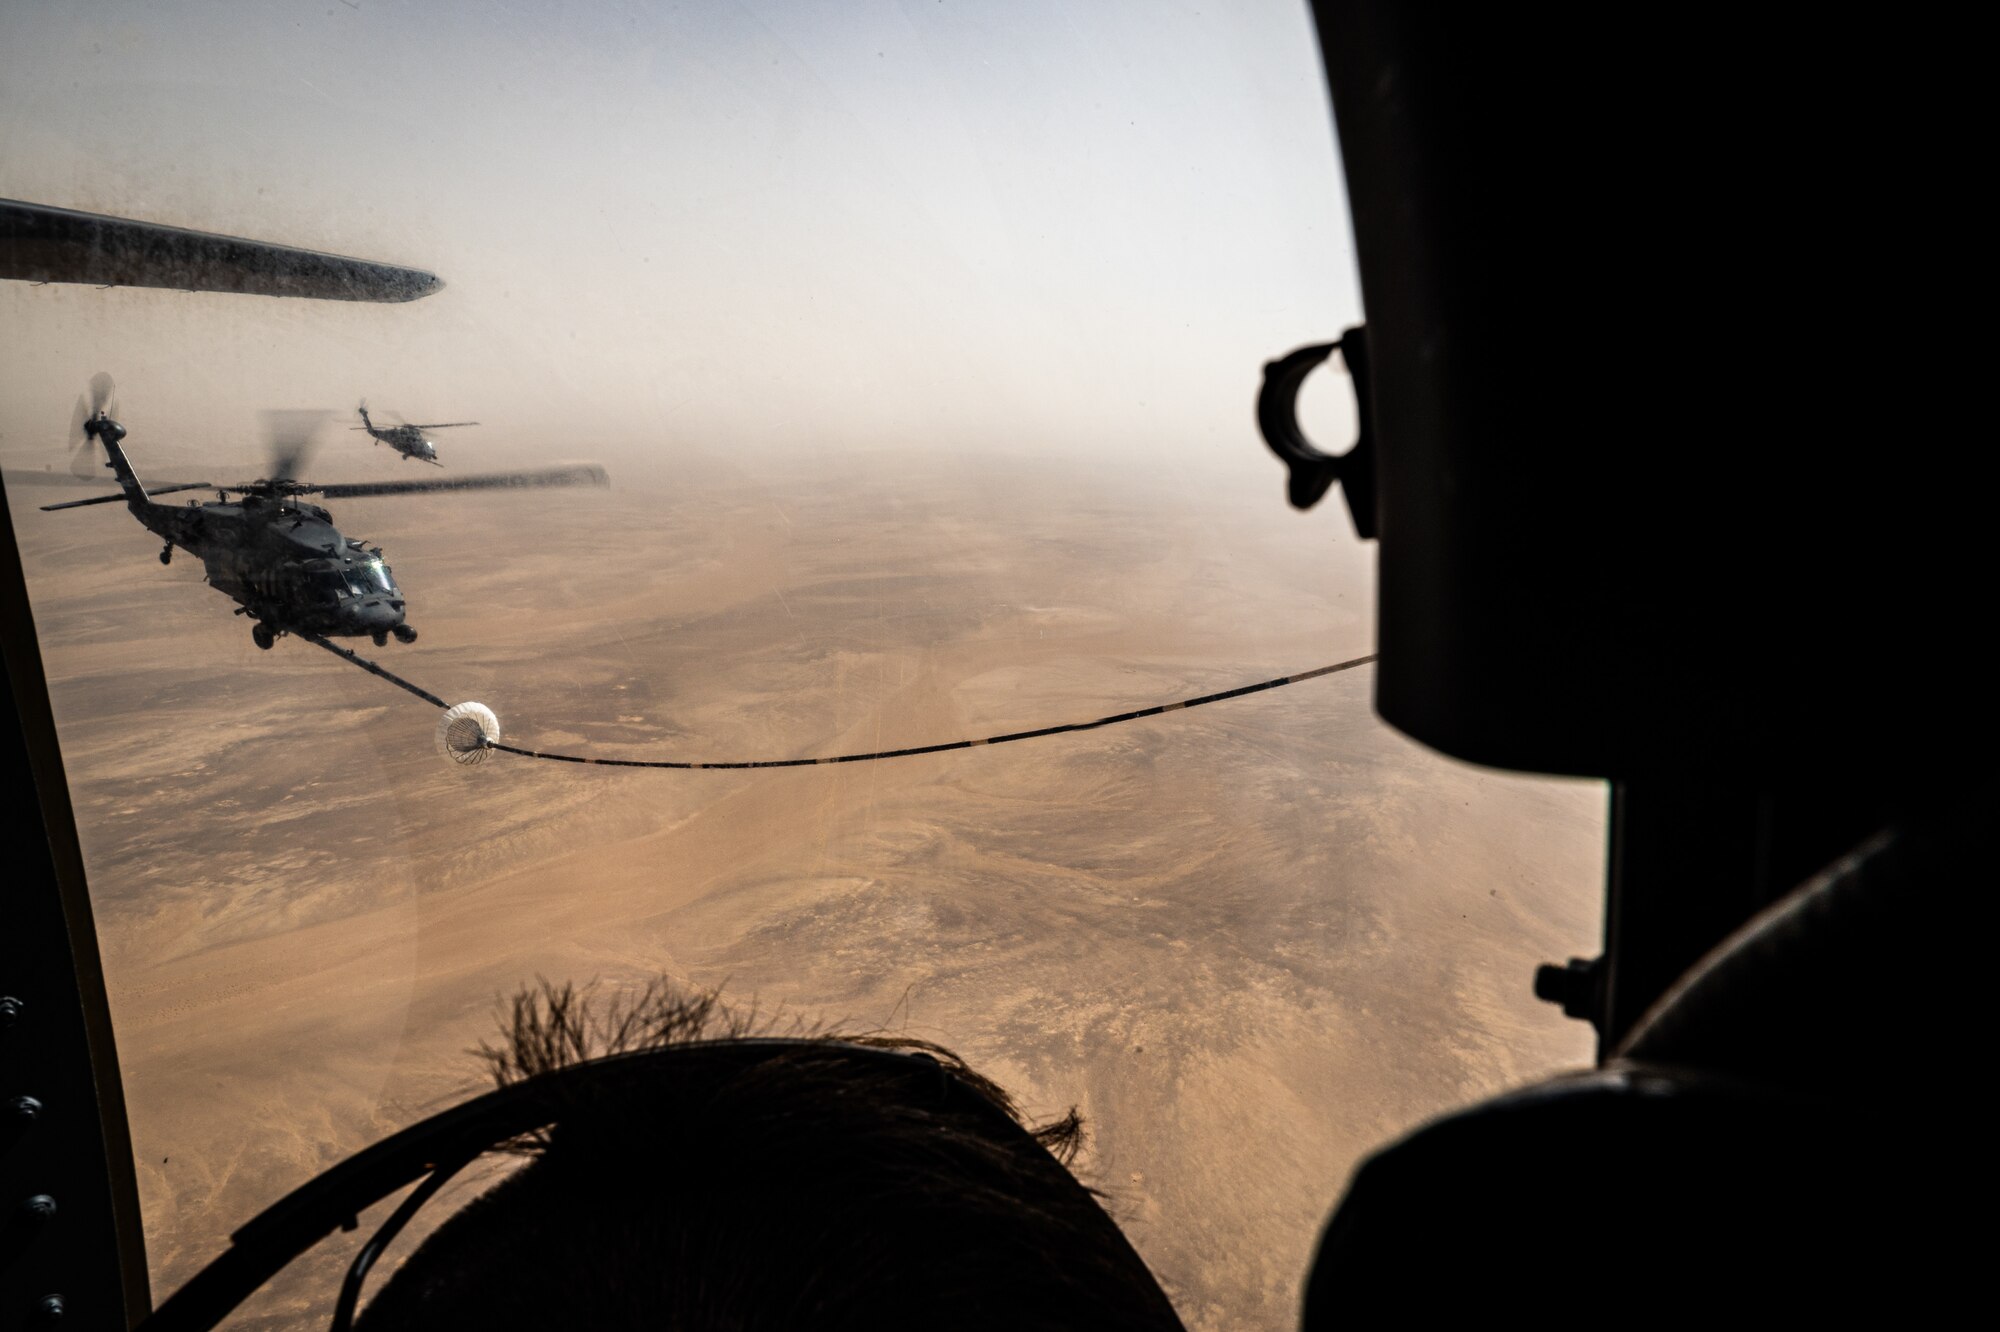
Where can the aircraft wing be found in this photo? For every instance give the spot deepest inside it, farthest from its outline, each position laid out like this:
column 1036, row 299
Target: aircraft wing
column 39, row 243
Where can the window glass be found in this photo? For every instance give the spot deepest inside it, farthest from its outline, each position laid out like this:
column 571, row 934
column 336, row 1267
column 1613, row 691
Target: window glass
column 919, row 343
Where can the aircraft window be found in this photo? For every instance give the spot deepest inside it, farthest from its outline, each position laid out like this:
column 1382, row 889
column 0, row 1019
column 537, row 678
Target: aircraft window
column 329, row 584
column 919, row 346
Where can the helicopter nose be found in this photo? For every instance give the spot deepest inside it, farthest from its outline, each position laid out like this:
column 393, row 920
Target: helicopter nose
column 374, row 615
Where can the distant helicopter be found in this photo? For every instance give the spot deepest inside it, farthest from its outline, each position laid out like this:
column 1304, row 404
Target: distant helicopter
column 408, row 440
column 281, row 559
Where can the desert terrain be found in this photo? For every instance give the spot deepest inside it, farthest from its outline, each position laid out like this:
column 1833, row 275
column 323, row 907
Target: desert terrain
column 1249, row 942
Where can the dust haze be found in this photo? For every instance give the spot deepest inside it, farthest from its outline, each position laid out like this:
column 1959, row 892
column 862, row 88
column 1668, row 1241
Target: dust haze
column 1248, row 941
column 921, row 349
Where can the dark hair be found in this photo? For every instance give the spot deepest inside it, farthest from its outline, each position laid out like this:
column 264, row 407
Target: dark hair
column 816, row 1188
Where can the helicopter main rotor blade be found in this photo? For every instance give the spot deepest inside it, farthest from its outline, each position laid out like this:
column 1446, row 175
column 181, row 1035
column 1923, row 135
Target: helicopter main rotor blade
column 445, row 425
column 78, row 504
column 41, row 243
column 116, row 499
column 23, row 477
column 579, row 474
column 289, row 435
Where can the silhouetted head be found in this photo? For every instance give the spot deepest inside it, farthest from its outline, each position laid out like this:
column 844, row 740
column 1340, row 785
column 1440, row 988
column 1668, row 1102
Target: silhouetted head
column 1661, row 499
column 817, row 1188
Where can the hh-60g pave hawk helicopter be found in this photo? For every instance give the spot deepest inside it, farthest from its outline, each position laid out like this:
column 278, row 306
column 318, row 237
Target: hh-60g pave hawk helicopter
column 408, row 440
column 280, row 558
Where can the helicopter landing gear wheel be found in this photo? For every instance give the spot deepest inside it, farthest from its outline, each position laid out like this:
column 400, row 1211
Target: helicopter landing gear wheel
column 167, row 553
column 381, row 638
column 263, row 636
column 404, row 634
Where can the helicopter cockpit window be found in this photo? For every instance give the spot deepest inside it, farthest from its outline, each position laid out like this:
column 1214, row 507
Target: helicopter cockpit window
column 918, row 346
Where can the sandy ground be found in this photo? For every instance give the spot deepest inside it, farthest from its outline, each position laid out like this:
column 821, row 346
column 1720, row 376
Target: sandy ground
column 1249, row 941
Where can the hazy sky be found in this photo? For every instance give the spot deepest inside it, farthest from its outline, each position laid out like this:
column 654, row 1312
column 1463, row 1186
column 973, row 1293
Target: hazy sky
column 719, row 226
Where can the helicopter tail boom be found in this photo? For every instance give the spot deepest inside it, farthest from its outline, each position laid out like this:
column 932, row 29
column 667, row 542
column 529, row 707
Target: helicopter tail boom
column 108, row 432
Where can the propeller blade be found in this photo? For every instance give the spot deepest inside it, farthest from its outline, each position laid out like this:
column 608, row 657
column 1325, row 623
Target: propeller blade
column 578, row 474
column 82, row 453
column 445, row 425
column 103, row 394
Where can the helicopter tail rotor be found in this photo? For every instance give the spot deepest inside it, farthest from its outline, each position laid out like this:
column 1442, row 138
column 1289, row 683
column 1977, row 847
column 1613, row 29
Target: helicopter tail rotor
column 86, row 458
column 103, row 395
column 82, row 451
